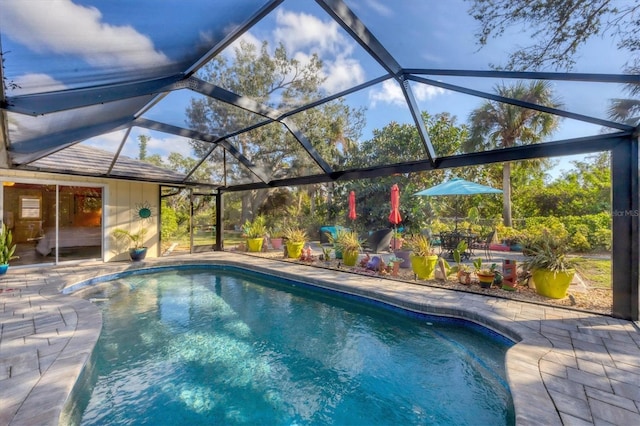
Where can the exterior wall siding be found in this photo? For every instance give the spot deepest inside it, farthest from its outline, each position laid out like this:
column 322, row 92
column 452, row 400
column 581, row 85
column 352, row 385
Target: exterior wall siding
column 121, row 201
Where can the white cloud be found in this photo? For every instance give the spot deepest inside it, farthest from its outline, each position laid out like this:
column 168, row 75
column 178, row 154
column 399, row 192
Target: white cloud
column 246, row 38
column 424, row 92
column 300, row 31
column 304, row 35
column 34, row 83
column 60, row 26
column 106, row 141
column 166, row 145
column 379, row 7
column 391, row 93
column 342, row 74
column 157, row 144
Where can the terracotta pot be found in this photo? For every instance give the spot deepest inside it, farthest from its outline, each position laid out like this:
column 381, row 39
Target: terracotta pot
column 396, row 244
column 276, row 243
column 464, row 277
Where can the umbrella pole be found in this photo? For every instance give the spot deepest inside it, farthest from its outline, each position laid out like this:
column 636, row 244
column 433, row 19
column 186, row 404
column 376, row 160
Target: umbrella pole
column 395, row 227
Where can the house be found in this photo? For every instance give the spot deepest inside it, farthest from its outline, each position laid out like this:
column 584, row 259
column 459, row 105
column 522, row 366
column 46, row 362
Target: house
column 57, row 215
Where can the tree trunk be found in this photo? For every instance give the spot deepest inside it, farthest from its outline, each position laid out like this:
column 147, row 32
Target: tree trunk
column 312, row 200
column 506, row 194
column 245, row 214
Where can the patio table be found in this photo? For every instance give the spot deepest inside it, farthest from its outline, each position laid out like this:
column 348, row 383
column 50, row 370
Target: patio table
column 450, row 240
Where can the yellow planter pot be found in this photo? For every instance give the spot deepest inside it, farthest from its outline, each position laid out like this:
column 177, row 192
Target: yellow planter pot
column 350, row 258
column 294, row 250
column 424, row 267
column 255, row 244
column 552, row 284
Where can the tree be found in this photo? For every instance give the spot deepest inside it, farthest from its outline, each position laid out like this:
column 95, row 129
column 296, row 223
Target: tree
column 584, row 190
column 496, row 125
column 276, row 81
column 627, row 110
column 397, row 143
column 143, row 140
column 560, row 28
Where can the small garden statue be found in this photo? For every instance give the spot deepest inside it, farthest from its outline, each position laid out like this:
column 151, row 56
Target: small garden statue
column 307, row 254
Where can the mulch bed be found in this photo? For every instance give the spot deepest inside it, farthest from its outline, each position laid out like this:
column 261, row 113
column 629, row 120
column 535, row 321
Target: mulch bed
column 588, row 299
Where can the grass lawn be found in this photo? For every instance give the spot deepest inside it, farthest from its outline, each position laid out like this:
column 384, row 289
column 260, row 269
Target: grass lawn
column 596, row 272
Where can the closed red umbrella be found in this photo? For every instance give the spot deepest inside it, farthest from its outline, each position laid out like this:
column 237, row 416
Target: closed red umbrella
column 352, row 205
column 395, row 217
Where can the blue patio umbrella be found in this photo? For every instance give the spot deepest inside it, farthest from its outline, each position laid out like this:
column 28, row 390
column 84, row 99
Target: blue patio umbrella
column 457, row 186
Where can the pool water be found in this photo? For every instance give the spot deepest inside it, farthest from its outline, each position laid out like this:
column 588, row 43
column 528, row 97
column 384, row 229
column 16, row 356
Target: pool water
column 219, row 346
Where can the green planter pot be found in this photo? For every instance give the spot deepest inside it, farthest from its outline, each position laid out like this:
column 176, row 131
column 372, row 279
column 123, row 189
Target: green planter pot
column 255, row 244
column 337, row 253
column 424, row 267
column 350, row 258
column 294, row 250
column 552, row 284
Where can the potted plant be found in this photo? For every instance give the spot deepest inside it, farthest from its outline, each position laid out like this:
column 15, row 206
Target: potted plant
column 423, row 260
column 7, row 249
column 485, row 275
column 137, row 249
column 333, row 235
column 551, row 270
column 295, row 240
column 276, row 237
column 394, row 265
column 326, row 255
column 275, row 233
column 396, row 240
column 255, row 231
column 349, row 244
column 461, row 270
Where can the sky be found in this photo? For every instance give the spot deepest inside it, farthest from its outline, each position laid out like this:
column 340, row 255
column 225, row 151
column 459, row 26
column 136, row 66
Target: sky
column 58, row 44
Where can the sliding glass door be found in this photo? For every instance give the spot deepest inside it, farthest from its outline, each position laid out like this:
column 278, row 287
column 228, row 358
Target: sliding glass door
column 52, row 223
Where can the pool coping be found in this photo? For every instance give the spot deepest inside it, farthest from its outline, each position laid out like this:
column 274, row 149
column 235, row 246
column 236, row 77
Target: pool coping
column 568, row 367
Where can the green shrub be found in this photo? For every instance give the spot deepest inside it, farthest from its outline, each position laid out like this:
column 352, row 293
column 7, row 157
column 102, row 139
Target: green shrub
column 602, row 239
column 169, row 227
column 594, row 228
column 578, row 242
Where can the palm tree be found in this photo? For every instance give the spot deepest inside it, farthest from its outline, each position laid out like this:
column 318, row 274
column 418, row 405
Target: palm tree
column 627, row 110
column 497, row 125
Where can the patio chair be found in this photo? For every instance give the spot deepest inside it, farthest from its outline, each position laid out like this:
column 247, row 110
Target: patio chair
column 485, row 244
column 379, row 240
column 333, row 230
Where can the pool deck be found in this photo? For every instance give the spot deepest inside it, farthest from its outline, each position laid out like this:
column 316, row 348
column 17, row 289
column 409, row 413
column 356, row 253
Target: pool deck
column 569, row 367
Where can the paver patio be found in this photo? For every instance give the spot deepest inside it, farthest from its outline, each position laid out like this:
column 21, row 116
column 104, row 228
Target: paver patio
column 569, row 367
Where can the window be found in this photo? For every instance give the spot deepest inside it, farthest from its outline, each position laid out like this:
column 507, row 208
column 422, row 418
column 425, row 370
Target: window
column 30, row 207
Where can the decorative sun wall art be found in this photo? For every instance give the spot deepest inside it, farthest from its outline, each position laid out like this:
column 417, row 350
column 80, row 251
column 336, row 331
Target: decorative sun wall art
column 144, row 211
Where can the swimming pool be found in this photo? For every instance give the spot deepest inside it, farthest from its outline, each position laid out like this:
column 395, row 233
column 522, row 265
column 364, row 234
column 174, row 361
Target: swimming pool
column 219, row 345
